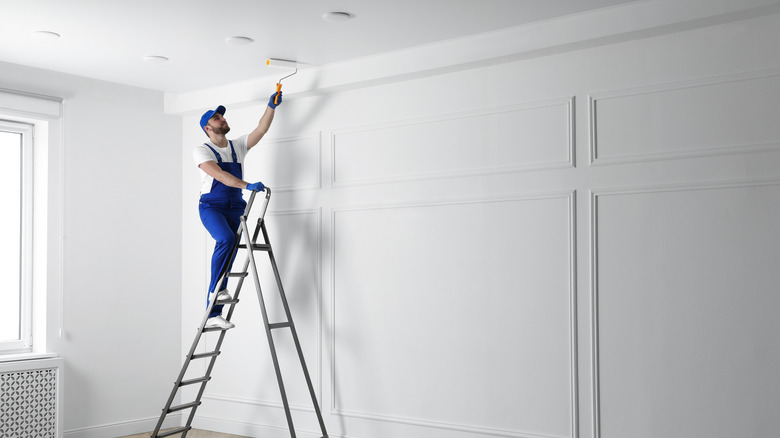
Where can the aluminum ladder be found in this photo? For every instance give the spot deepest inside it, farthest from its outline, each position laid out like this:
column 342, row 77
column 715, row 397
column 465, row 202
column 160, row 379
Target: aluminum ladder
column 253, row 245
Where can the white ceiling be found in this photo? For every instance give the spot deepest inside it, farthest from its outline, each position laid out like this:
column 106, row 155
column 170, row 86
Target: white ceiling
column 107, row 39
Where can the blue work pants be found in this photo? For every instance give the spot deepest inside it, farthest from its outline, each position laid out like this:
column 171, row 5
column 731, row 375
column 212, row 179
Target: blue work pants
column 222, row 222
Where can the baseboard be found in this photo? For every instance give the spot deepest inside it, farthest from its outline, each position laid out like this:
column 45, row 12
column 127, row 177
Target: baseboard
column 249, row 429
column 124, row 428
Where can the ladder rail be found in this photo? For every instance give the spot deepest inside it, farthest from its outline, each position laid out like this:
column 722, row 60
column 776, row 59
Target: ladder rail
column 294, row 332
column 224, row 272
column 183, row 371
column 222, row 334
column 269, row 335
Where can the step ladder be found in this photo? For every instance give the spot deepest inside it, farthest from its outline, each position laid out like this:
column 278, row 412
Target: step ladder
column 253, row 245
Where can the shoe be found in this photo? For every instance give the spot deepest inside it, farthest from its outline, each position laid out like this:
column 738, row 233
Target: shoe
column 219, row 322
column 223, row 295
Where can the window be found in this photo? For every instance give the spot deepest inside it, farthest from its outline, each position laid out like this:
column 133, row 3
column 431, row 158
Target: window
column 31, row 227
column 16, row 225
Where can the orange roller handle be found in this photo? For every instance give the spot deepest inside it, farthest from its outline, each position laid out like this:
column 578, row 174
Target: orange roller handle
column 278, row 90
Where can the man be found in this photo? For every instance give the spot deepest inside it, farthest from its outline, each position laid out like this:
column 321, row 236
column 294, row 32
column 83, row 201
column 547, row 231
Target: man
column 221, row 202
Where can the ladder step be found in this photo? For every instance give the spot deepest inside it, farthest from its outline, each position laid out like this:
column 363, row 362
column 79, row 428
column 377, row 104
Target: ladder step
column 223, row 302
column 173, row 431
column 279, row 325
column 183, row 407
column 209, row 354
column 257, row 246
column 238, row 274
column 194, row 381
column 213, row 329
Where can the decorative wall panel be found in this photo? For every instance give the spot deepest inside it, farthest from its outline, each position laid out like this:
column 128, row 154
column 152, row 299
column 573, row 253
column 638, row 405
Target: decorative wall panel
column 528, row 137
column 286, row 164
column 443, row 323
column 686, row 299
column 730, row 114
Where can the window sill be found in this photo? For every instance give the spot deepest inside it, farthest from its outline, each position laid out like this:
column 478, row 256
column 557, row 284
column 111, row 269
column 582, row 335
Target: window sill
column 25, row 356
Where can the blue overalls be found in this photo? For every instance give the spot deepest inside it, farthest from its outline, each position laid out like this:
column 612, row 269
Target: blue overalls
column 220, row 212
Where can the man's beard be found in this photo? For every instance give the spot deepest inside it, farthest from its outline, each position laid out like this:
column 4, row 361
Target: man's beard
column 221, row 130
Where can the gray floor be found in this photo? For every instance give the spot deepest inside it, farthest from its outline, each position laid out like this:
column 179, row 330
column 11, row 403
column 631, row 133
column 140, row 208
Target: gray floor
column 194, row 433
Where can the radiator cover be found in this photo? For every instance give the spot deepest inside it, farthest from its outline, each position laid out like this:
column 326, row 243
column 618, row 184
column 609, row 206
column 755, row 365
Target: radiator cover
column 30, row 399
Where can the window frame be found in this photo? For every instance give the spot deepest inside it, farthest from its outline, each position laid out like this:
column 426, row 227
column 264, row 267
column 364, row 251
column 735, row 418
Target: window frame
column 25, row 342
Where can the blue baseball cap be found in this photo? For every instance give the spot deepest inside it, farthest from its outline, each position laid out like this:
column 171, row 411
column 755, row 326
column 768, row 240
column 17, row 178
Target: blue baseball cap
column 204, row 119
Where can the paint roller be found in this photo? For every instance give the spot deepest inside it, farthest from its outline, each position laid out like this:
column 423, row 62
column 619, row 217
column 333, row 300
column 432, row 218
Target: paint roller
column 281, row 63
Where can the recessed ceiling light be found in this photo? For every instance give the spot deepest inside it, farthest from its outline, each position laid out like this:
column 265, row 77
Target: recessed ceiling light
column 239, row 40
column 337, row 16
column 155, row 59
column 46, row 34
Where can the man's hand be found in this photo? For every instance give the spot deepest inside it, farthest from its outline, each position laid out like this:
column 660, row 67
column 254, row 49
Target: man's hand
column 278, row 101
column 256, row 187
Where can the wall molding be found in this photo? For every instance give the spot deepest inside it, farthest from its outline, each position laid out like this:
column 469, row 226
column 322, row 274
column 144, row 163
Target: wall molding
column 252, row 429
column 568, row 162
column 317, row 137
column 255, row 402
column 594, row 98
column 442, row 425
column 594, row 284
column 570, row 197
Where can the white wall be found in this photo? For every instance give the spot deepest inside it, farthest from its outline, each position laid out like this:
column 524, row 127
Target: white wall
column 116, row 288
column 578, row 244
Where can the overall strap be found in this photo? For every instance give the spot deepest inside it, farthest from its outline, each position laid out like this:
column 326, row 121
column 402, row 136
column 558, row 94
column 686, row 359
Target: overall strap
column 233, row 151
column 219, row 158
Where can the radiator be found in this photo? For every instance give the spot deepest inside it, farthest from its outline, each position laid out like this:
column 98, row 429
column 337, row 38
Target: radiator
column 30, row 398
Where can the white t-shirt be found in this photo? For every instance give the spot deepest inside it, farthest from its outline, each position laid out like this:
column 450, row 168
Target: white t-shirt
column 201, row 154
